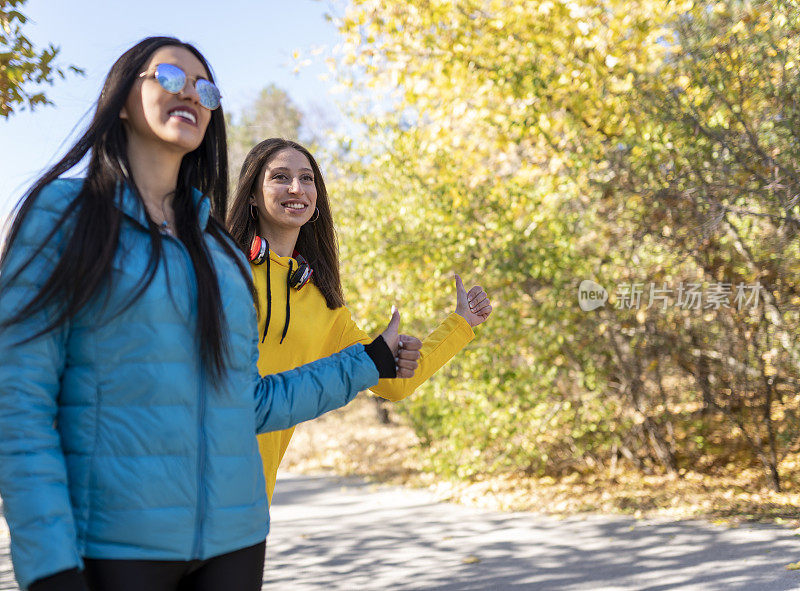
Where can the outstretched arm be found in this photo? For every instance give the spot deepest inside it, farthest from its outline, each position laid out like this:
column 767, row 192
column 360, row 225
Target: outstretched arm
column 452, row 335
column 304, row 393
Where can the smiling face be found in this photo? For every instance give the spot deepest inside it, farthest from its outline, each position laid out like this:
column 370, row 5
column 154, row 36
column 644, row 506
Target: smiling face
column 287, row 196
column 157, row 118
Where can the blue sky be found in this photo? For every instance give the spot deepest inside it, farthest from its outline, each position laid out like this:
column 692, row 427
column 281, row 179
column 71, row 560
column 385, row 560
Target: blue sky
column 248, row 43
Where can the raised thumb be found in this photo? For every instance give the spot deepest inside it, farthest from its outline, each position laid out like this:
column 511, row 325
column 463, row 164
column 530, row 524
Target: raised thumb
column 459, row 284
column 394, row 323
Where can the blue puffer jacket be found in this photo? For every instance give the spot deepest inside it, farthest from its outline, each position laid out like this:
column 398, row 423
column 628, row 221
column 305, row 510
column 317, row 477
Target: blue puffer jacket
column 113, row 441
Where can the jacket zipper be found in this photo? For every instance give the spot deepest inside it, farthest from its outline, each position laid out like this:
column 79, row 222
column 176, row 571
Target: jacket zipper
column 201, row 463
column 201, row 439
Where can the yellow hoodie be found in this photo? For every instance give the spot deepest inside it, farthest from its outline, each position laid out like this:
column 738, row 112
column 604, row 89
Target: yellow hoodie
column 315, row 331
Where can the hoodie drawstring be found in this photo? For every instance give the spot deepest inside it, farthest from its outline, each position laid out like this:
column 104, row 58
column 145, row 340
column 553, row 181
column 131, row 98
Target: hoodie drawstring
column 288, row 309
column 269, row 302
column 269, row 299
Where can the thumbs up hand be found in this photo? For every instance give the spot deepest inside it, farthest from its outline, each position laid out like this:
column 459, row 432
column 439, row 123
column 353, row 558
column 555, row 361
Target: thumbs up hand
column 404, row 348
column 474, row 305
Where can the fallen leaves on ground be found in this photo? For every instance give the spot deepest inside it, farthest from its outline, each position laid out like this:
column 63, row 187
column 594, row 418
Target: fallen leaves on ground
column 353, row 442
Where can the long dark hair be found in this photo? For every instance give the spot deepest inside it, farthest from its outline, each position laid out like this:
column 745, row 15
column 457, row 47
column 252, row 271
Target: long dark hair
column 317, row 240
column 85, row 263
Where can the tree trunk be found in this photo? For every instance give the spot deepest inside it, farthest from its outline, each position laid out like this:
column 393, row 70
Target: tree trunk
column 382, row 410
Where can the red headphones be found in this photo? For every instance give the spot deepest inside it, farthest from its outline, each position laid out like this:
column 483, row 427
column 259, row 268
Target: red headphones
column 259, row 250
column 302, row 274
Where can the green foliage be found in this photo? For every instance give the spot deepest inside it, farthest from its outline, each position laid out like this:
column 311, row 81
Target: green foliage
column 272, row 114
column 533, row 144
column 23, row 67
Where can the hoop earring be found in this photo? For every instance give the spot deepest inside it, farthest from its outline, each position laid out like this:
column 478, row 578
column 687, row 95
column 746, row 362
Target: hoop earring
column 253, row 211
column 316, row 216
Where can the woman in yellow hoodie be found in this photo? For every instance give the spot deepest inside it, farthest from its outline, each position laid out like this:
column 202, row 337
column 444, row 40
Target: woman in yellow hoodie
column 281, row 218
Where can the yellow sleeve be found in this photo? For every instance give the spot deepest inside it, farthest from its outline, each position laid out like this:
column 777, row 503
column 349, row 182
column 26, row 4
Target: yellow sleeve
column 438, row 348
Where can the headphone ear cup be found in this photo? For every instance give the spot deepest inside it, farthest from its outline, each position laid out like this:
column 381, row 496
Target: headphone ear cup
column 297, row 277
column 301, row 276
column 258, row 250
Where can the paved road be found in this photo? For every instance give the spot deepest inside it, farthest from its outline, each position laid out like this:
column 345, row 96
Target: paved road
column 331, row 533
column 343, row 534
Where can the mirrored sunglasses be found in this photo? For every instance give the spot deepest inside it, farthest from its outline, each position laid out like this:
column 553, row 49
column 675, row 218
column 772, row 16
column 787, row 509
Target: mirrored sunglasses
column 173, row 80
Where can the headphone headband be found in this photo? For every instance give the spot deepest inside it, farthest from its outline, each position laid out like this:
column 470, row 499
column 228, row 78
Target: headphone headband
column 259, row 252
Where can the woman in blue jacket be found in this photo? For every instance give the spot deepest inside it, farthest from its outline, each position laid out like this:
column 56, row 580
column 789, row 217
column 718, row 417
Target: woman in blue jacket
column 129, row 393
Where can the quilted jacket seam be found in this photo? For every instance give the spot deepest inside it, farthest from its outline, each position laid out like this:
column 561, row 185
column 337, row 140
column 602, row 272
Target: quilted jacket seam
column 91, row 479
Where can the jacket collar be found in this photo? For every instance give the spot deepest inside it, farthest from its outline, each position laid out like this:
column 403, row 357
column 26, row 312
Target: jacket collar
column 134, row 208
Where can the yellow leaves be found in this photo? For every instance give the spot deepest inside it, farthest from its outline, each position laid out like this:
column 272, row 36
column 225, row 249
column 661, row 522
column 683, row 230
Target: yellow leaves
column 459, row 201
column 544, row 122
column 738, row 28
column 471, row 559
column 793, row 566
column 577, row 10
column 769, row 358
column 421, row 85
column 555, row 164
column 545, row 7
column 721, row 8
column 621, row 85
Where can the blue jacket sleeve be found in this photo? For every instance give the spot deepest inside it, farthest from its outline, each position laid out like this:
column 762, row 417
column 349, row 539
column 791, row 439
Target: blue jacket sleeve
column 33, row 475
column 304, row 393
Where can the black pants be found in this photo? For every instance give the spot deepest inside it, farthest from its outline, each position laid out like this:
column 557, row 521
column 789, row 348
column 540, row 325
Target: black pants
column 241, row 570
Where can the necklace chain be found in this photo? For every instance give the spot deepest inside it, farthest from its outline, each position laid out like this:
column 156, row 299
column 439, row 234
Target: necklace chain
column 165, row 226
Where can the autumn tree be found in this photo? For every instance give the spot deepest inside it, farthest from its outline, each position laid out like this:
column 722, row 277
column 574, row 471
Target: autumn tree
column 477, row 160
column 720, row 177
column 23, row 67
column 273, row 113
column 538, row 143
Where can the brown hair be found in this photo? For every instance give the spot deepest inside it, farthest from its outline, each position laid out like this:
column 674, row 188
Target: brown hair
column 317, row 240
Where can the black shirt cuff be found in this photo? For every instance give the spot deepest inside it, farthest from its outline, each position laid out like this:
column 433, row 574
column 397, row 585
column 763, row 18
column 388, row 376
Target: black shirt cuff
column 382, row 357
column 65, row 580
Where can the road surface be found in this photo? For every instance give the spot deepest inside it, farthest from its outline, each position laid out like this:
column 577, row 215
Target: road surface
column 331, row 533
